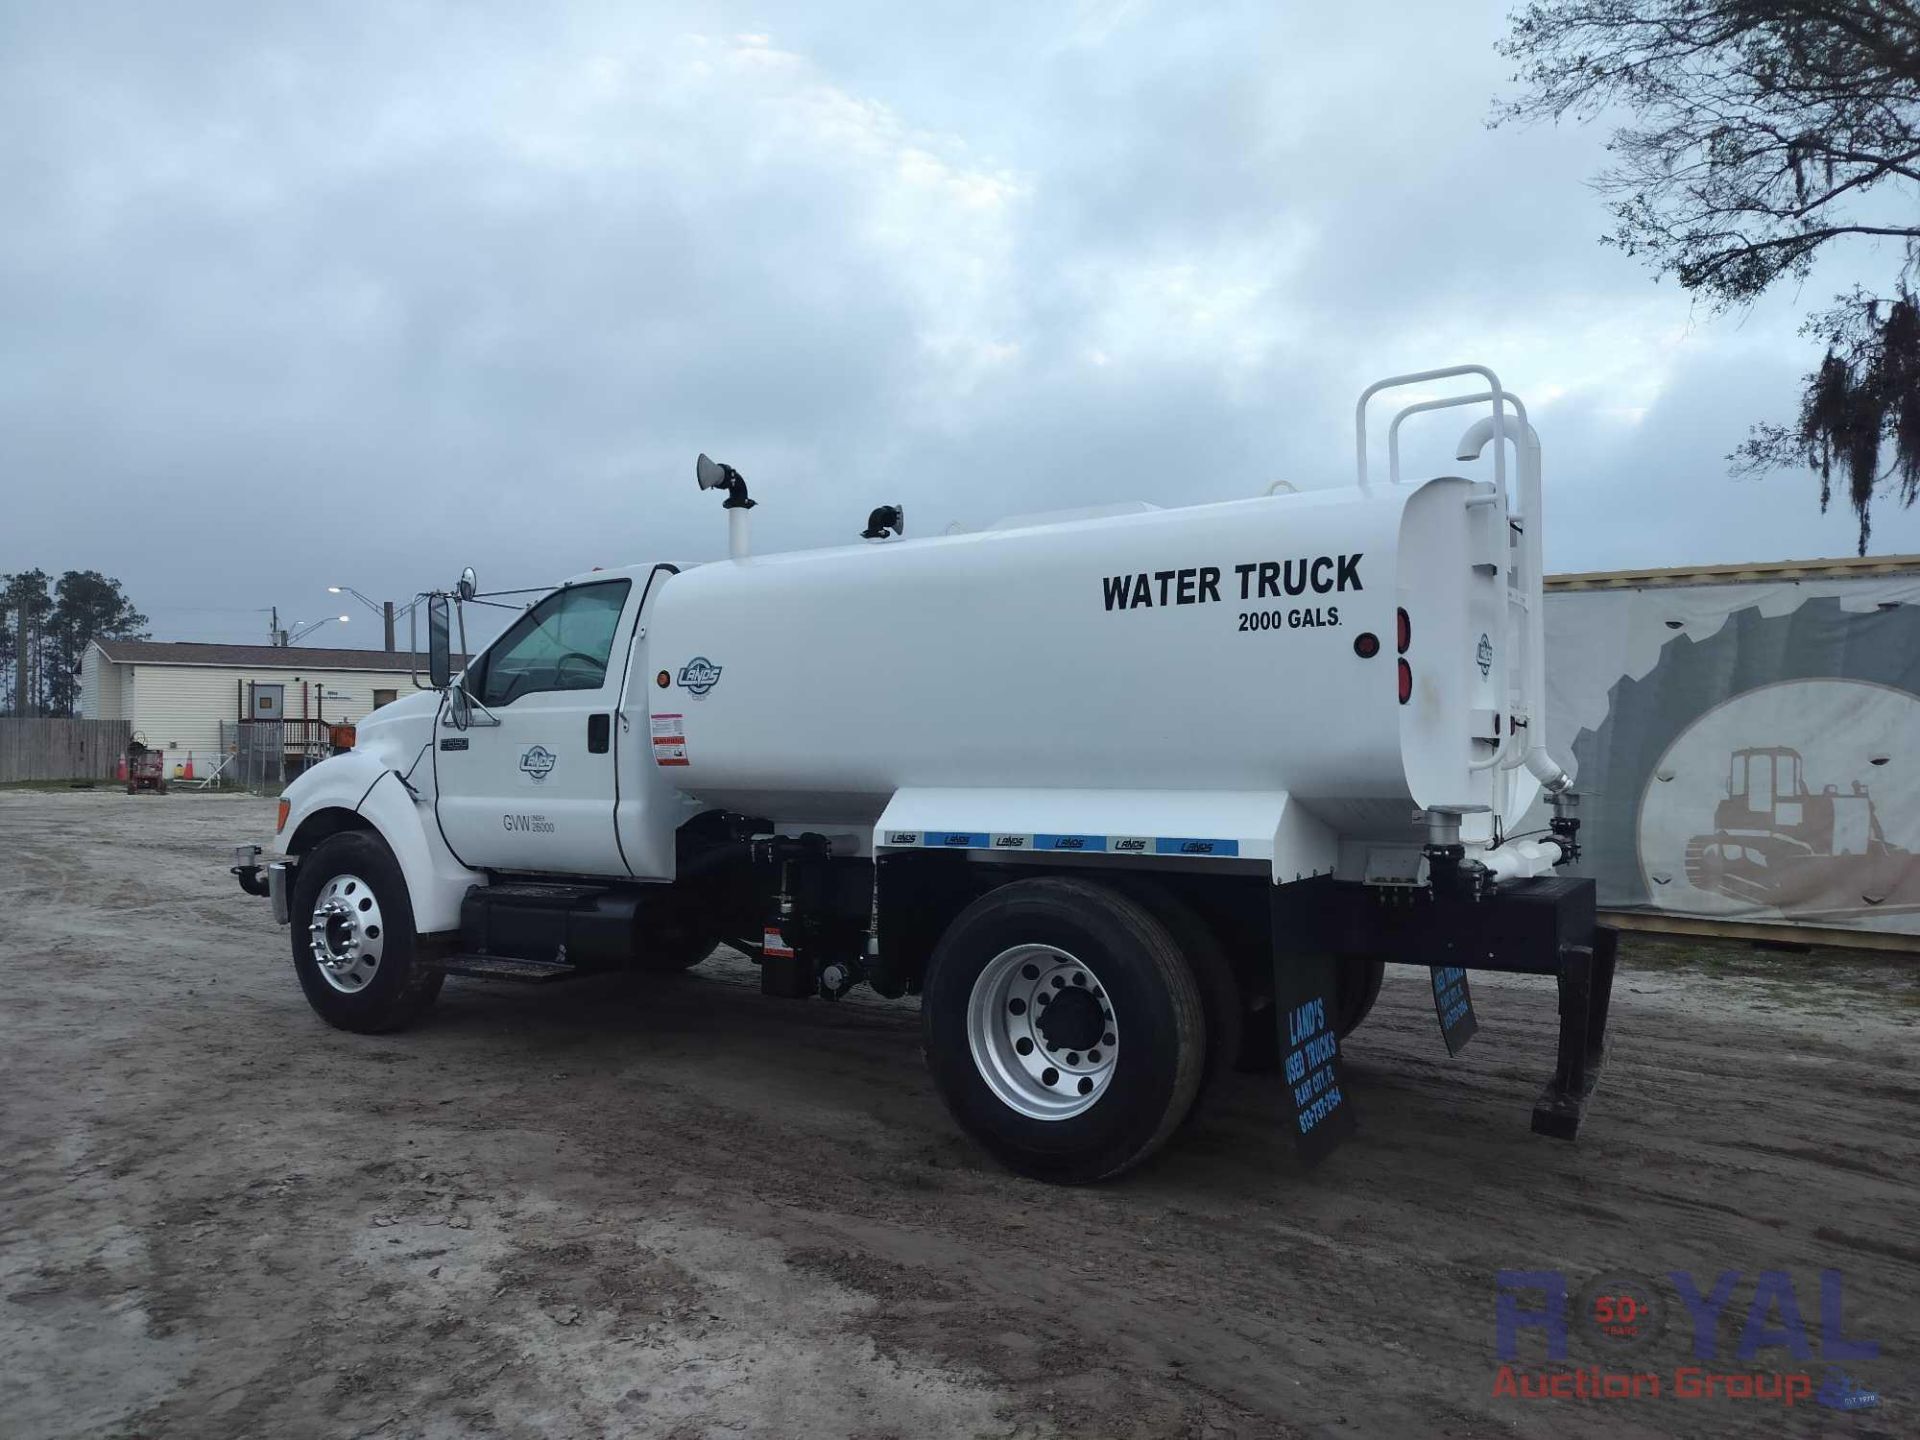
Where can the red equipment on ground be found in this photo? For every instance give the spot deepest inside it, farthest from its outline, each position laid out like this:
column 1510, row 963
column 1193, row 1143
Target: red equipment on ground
column 145, row 768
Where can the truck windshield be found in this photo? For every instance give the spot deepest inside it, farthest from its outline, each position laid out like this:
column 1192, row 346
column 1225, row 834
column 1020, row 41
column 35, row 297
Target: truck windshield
column 563, row 643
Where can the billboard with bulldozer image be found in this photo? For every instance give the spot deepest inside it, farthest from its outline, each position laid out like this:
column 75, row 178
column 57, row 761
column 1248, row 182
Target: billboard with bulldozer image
column 1746, row 744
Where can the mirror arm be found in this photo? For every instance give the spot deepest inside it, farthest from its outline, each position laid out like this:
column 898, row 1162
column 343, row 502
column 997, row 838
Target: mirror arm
column 473, row 704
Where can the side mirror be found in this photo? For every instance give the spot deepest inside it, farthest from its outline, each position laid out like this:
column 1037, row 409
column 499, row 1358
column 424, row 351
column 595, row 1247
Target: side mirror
column 468, row 586
column 439, row 643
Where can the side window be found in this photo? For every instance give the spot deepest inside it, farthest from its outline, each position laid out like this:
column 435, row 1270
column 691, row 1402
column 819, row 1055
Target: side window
column 563, row 643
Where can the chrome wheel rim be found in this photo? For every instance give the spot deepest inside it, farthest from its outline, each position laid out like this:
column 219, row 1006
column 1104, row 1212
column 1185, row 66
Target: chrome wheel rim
column 1042, row 1031
column 347, row 933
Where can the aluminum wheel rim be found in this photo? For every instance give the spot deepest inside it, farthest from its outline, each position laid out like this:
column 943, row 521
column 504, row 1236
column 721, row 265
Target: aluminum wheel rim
column 1043, row 1068
column 347, row 933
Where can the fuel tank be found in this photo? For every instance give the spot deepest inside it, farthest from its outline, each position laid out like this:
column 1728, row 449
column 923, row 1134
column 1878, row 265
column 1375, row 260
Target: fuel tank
column 1251, row 645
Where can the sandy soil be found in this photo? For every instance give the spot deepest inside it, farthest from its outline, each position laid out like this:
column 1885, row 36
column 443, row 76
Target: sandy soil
column 681, row 1209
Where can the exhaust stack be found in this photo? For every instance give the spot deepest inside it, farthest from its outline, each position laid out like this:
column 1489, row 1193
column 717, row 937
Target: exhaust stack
column 713, row 475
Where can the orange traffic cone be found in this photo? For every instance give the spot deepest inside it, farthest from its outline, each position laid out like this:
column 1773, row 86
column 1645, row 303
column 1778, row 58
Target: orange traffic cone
column 189, row 774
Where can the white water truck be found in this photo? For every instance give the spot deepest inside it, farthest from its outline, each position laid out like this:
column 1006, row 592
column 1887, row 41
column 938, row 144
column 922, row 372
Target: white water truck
column 1128, row 797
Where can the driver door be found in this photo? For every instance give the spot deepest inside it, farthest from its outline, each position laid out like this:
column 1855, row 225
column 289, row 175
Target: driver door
column 529, row 784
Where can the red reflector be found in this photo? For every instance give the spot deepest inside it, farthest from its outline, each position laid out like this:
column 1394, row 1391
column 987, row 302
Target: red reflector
column 1405, row 632
column 1366, row 645
column 1406, row 682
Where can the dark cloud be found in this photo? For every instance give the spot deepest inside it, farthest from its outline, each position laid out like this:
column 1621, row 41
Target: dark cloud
column 302, row 295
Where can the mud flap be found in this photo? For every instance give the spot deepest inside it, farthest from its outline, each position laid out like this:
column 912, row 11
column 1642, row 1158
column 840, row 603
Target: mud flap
column 1539, row 926
column 1453, row 1004
column 1318, row 1104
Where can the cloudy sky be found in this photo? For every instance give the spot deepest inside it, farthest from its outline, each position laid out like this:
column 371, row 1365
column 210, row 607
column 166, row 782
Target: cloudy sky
column 306, row 294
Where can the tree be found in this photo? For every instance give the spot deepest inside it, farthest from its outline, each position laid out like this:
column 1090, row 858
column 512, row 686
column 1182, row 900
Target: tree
column 87, row 606
column 43, row 673
column 26, row 605
column 9, row 642
column 1763, row 132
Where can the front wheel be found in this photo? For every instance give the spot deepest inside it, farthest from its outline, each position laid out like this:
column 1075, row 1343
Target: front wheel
column 354, row 947
column 1064, row 1029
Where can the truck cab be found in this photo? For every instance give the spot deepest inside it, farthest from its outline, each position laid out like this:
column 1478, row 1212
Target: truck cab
column 534, row 769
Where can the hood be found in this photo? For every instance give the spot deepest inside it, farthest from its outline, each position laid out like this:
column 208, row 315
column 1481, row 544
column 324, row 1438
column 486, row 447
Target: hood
column 395, row 732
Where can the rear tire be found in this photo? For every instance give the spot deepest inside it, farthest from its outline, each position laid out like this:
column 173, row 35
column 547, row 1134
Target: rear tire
column 1359, row 987
column 669, row 949
column 1358, row 980
column 1125, row 1039
column 347, row 886
column 1213, row 974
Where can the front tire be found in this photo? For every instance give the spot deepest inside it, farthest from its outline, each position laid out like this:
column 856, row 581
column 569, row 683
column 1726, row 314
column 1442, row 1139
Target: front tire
column 354, row 946
column 1064, row 1029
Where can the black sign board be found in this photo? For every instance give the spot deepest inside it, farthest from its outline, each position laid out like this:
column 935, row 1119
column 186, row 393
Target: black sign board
column 1319, row 1108
column 1453, row 1003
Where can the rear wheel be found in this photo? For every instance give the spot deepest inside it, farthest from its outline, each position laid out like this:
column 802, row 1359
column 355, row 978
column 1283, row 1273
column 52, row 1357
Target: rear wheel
column 671, row 949
column 354, row 947
column 1064, row 1028
column 1357, row 986
column 1212, row 974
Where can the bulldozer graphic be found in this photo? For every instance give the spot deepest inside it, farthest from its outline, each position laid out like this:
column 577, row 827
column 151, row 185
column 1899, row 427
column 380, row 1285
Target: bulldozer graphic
column 1776, row 843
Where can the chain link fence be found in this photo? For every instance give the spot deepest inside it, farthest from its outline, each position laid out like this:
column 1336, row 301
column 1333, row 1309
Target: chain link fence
column 261, row 756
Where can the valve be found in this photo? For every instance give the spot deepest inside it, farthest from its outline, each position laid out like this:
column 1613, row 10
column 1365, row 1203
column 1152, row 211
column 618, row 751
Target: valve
column 839, row 977
column 1565, row 826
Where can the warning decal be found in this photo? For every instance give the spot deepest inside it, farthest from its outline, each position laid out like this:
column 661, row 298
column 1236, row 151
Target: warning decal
column 669, row 740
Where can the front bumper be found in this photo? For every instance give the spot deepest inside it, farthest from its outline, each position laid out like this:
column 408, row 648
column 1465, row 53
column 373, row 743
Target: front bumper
column 273, row 880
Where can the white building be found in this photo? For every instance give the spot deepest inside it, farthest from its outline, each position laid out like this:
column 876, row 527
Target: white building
column 178, row 693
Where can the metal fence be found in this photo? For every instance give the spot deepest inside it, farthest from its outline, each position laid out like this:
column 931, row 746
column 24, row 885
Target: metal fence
column 262, row 755
column 58, row 748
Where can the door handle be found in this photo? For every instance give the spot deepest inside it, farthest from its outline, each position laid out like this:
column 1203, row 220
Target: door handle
column 599, row 733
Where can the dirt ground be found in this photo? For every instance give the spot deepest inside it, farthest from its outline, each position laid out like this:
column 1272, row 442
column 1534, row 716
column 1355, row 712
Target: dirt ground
column 680, row 1209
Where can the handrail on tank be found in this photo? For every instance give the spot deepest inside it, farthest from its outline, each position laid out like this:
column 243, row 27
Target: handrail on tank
column 1511, row 754
column 1415, row 378
column 1533, row 754
column 1526, row 445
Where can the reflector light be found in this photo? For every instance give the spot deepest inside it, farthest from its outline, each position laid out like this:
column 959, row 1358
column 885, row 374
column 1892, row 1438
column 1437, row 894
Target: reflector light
column 1366, row 645
column 280, row 820
column 1405, row 637
column 1406, row 682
